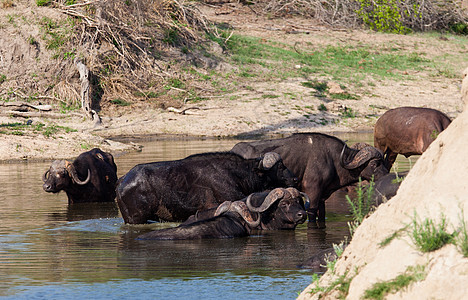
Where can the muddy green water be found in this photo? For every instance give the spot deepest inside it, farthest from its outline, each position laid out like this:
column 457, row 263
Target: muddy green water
column 49, row 250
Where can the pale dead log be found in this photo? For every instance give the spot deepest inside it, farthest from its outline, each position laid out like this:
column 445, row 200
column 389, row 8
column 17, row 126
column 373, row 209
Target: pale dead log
column 85, row 87
column 23, row 106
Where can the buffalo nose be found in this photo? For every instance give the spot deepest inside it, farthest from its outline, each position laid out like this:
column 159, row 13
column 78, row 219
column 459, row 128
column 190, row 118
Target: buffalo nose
column 302, row 215
column 46, row 187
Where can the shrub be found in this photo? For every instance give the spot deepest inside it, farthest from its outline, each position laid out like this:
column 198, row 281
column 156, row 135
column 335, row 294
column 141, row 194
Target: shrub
column 361, row 206
column 382, row 15
column 428, row 236
column 462, row 237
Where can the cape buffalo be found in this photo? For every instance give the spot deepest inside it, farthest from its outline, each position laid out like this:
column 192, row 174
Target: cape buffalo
column 407, row 131
column 174, row 190
column 269, row 210
column 322, row 163
column 91, row 177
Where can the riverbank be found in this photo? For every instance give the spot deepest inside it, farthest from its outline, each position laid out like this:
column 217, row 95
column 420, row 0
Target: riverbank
column 257, row 106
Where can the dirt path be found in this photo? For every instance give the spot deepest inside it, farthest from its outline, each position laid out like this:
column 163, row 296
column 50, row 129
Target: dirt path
column 261, row 108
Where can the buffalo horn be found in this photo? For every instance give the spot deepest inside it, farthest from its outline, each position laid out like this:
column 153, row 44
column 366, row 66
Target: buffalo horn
column 240, row 208
column 271, row 198
column 270, row 159
column 223, row 208
column 363, row 156
column 295, row 193
column 73, row 174
column 45, row 175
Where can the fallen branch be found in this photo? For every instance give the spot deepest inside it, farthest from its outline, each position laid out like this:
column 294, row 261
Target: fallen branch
column 22, row 114
column 186, row 110
column 23, row 106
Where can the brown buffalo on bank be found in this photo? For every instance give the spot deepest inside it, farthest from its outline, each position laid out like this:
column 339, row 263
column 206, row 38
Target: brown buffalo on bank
column 407, row 131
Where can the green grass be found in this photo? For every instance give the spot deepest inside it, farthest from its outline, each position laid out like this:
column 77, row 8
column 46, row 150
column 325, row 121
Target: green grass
column 462, row 237
column 341, row 62
column 348, row 113
column 56, row 35
column 391, row 237
column 120, row 102
column 427, row 236
column 362, row 205
column 379, row 290
column 18, row 128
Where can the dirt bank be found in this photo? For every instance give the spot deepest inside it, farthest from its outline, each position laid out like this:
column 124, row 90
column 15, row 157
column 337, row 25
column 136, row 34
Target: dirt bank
column 430, row 193
column 254, row 108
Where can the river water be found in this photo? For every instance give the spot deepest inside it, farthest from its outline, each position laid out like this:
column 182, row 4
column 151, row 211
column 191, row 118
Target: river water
column 49, row 250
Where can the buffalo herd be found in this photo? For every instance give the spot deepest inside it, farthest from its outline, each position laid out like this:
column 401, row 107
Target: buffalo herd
column 261, row 185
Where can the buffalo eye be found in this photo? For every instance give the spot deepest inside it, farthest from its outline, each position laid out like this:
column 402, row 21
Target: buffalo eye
column 374, row 164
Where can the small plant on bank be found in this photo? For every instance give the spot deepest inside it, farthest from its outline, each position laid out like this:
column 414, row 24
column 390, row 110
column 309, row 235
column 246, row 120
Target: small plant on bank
column 320, row 87
column 42, row 2
column 391, row 237
column 322, row 107
column 348, row 113
column 331, row 259
column 120, row 102
column 381, row 289
column 462, row 237
column 362, row 205
column 427, row 236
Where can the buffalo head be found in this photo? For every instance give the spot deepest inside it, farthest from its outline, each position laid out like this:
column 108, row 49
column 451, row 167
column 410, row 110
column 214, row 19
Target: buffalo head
column 367, row 161
column 278, row 209
column 272, row 165
column 61, row 175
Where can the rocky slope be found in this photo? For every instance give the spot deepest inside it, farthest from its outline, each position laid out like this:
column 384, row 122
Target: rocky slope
column 435, row 189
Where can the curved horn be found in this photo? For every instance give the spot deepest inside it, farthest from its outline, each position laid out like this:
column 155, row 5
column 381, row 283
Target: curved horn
column 241, row 208
column 270, row 159
column 271, row 198
column 295, row 194
column 45, row 175
column 72, row 171
column 342, row 157
column 223, row 208
column 363, row 156
column 293, row 191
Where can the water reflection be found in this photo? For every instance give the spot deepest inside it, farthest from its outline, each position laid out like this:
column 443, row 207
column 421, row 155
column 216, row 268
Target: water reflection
column 49, row 249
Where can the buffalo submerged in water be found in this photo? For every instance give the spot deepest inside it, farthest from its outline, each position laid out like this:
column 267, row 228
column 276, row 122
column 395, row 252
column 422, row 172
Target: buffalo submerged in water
column 91, row 177
column 279, row 209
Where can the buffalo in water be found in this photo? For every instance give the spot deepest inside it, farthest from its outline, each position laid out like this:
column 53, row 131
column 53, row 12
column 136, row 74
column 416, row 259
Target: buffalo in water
column 91, row 177
column 407, row 131
column 174, row 190
column 269, row 210
column 322, row 163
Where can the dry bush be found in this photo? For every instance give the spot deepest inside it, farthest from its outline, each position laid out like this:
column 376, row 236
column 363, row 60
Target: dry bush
column 418, row 15
column 126, row 43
